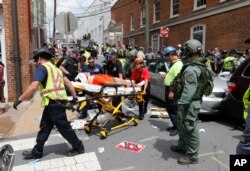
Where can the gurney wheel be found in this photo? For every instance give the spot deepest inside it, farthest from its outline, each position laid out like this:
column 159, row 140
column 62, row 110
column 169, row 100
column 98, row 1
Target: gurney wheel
column 87, row 128
column 136, row 121
column 103, row 134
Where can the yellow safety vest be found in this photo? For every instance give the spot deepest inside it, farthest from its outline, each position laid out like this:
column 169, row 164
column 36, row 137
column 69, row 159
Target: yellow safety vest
column 246, row 103
column 54, row 89
column 228, row 63
column 87, row 55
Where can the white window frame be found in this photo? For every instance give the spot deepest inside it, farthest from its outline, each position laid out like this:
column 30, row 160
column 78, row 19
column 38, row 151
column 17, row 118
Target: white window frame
column 143, row 11
column 198, row 8
column 154, row 20
column 171, row 10
column 132, row 22
column 203, row 34
column 158, row 43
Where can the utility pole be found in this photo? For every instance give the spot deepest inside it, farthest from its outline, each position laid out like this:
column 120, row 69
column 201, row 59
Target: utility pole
column 146, row 25
column 54, row 23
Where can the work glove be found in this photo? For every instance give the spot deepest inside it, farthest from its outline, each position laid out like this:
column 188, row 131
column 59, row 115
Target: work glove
column 75, row 99
column 16, row 103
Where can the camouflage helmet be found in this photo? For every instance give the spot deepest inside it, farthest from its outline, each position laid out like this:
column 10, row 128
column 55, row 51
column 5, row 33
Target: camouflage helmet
column 193, row 46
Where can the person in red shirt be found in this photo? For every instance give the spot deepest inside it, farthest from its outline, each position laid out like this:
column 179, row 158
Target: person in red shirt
column 139, row 74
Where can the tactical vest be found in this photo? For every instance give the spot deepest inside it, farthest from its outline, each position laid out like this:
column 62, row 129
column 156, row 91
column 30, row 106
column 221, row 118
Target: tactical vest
column 205, row 84
column 54, row 88
column 228, row 63
column 246, row 102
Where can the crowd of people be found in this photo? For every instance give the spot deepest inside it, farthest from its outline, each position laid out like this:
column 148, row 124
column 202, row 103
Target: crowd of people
column 184, row 87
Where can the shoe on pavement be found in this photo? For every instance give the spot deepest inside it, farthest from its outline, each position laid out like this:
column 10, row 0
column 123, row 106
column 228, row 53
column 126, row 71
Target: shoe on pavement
column 28, row 155
column 74, row 152
column 185, row 160
column 170, row 128
column 177, row 149
column 173, row 132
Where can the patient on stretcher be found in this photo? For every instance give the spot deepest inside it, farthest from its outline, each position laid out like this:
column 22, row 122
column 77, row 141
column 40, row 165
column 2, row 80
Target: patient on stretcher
column 105, row 80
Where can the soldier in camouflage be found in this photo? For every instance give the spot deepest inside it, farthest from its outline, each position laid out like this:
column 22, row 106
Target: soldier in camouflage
column 189, row 104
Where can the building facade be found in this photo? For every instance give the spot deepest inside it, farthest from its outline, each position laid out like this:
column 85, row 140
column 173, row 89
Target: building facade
column 27, row 40
column 95, row 21
column 216, row 23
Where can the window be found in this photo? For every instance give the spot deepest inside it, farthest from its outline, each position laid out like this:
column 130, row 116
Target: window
column 155, row 42
column 198, row 33
column 246, row 72
column 157, row 11
column 132, row 22
column 199, row 4
column 174, row 8
column 100, row 28
column 143, row 15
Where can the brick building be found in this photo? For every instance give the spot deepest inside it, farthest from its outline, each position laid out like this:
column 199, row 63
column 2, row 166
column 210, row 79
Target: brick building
column 27, row 42
column 216, row 23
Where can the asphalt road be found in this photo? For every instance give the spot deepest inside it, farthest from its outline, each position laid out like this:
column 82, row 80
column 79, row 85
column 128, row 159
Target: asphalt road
column 218, row 139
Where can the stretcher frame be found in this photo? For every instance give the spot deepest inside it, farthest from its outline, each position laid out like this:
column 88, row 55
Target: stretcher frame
column 106, row 105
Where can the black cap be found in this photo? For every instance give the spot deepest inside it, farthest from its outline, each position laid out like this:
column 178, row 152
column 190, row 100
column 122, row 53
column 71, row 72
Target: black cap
column 42, row 52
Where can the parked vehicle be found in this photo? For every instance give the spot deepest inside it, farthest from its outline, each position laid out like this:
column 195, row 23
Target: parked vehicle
column 210, row 105
column 236, row 87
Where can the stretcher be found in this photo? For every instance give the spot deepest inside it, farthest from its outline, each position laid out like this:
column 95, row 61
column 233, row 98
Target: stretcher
column 104, row 95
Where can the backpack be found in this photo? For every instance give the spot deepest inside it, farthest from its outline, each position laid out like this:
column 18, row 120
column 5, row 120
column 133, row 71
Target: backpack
column 206, row 81
column 205, row 86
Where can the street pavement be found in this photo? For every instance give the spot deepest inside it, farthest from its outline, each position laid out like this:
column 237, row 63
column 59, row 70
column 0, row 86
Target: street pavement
column 218, row 141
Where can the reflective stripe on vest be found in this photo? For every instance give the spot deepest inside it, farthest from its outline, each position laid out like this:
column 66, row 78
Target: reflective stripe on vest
column 54, row 88
column 246, row 103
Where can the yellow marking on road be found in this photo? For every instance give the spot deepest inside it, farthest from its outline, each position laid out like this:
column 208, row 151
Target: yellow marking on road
column 124, row 169
column 220, row 162
column 148, row 139
column 212, row 153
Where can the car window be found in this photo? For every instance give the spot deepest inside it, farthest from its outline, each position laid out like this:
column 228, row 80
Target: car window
column 246, row 72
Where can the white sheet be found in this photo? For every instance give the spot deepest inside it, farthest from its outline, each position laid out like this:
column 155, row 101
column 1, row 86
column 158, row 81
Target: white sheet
column 122, row 90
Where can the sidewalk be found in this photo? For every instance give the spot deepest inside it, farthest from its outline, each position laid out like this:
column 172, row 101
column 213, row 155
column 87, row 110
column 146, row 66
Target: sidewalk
column 25, row 120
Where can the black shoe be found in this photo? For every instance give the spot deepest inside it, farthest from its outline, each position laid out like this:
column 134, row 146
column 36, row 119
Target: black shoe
column 82, row 116
column 28, row 155
column 74, row 152
column 177, row 149
column 169, row 129
column 185, row 160
column 173, row 132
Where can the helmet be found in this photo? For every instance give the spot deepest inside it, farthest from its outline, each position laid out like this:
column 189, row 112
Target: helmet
column 81, row 77
column 138, row 60
column 193, row 46
column 42, row 52
column 133, row 53
column 167, row 50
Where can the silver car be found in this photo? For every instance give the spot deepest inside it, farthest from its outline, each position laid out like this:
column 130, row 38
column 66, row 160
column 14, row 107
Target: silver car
column 211, row 104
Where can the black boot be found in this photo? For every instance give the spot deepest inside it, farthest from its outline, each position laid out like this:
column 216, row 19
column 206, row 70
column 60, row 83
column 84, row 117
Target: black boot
column 141, row 112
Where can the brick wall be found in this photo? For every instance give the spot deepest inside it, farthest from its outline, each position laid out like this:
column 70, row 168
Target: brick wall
column 24, row 39
column 226, row 30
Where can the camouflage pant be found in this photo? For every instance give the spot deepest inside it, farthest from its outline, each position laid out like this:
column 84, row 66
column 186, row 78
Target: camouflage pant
column 187, row 120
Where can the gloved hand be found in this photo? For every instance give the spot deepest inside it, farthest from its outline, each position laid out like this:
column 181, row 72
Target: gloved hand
column 75, row 99
column 16, row 103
